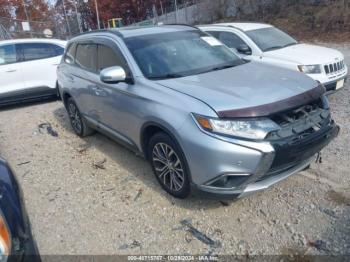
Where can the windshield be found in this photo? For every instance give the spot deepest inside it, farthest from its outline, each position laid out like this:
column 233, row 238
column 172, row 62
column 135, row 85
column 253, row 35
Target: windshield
column 271, row 38
column 179, row 54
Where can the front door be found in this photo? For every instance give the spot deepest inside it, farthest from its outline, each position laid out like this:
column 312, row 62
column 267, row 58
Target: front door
column 114, row 102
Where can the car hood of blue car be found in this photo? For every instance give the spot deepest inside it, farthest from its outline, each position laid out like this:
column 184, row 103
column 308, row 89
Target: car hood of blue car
column 10, row 200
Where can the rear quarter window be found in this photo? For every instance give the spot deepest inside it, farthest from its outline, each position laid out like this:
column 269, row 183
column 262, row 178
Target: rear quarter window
column 70, row 54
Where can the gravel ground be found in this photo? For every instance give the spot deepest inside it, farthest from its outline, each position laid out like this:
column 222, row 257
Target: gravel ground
column 92, row 196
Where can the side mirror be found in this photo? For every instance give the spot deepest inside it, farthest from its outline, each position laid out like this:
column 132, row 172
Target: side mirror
column 112, row 75
column 68, row 60
column 244, row 49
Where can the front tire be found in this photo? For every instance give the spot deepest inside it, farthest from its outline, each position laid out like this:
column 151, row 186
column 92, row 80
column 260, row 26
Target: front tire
column 78, row 123
column 169, row 165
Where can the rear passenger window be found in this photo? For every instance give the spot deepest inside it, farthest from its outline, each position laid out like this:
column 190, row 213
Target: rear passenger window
column 7, row 54
column 108, row 57
column 70, row 54
column 86, row 56
column 35, row 51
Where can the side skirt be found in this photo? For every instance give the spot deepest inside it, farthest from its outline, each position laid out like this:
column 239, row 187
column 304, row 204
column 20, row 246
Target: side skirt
column 114, row 135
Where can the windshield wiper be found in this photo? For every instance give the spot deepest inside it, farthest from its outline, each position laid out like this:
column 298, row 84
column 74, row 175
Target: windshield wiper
column 273, row 48
column 289, row 45
column 217, row 68
column 167, row 76
column 278, row 47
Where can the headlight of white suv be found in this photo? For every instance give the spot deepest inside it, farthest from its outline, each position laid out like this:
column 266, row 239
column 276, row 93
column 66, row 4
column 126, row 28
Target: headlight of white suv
column 310, row 69
column 251, row 129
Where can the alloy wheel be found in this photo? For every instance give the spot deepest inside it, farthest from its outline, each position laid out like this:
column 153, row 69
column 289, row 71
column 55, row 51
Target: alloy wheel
column 168, row 167
column 75, row 118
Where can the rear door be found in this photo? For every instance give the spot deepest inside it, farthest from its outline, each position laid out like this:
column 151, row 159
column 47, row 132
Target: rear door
column 38, row 62
column 11, row 79
column 83, row 77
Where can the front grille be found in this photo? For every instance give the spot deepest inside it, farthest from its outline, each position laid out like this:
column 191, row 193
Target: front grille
column 300, row 122
column 304, row 131
column 334, row 67
column 296, row 150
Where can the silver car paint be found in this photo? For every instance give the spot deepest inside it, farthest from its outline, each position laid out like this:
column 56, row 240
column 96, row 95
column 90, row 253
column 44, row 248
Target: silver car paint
column 125, row 109
column 246, row 85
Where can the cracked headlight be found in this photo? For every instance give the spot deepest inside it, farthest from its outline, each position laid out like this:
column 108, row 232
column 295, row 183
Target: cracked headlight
column 256, row 129
column 310, row 69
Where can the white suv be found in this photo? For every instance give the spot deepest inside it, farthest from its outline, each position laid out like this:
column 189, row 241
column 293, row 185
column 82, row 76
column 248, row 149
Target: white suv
column 28, row 69
column 267, row 44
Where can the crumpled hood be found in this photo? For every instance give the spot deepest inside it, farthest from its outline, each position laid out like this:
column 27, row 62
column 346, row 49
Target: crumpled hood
column 305, row 54
column 250, row 85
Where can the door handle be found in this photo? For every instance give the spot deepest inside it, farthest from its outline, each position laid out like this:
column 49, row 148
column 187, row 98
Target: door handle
column 70, row 79
column 97, row 90
column 11, row 71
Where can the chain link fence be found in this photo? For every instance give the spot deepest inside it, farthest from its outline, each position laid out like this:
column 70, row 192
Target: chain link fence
column 69, row 18
column 63, row 22
column 59, row 28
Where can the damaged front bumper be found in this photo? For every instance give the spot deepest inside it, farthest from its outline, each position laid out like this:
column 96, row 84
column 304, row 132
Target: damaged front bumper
column 285, row 159
column 333, row 86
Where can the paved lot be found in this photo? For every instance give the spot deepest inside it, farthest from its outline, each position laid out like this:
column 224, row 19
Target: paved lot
column 92, row 196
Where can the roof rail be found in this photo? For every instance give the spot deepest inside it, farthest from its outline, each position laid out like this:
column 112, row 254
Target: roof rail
column 219, row 25
column 181, row 24
column 116, row 32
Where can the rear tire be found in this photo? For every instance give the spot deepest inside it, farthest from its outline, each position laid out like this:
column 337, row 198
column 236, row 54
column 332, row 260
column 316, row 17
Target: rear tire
column 77, row 121
column 169, row 165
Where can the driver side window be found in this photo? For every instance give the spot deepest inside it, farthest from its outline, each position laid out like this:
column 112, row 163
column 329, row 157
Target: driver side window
column 229, row 39
column 107, row 57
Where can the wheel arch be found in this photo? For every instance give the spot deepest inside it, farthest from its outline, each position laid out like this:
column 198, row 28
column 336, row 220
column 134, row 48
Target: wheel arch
column 148, row 130
column 65, row 96
column 151, row 128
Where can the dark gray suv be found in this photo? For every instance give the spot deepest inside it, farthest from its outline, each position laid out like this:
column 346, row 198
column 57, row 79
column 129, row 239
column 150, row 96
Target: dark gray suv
column 197, row 112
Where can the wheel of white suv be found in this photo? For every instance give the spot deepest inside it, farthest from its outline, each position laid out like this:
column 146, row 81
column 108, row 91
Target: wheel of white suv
column 78, row 123
column 169, row 165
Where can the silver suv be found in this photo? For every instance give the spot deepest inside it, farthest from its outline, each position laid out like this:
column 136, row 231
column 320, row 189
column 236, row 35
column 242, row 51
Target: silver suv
column 199, row 114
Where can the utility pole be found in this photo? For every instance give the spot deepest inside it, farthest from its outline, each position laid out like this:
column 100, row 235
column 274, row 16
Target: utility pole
column 161, row 7
column 65, row 16
column 27, row 17
column 77, row 16
column 176, row 16
column 97, row 15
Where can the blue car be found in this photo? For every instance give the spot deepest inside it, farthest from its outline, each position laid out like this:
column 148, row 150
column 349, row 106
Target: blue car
column 16, row 241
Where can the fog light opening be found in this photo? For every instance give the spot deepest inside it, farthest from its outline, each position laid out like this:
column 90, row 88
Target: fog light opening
column 229, row 181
